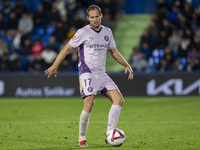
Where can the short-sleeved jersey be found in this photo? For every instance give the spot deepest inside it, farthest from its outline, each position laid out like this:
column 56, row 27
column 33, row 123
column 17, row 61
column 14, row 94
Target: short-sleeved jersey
column 93, row 46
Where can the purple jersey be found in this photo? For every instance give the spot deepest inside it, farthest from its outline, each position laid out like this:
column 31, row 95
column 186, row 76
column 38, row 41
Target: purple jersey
column 93, row 46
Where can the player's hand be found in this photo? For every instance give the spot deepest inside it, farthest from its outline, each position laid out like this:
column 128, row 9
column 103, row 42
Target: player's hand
column 51, row 71
column 129, row 69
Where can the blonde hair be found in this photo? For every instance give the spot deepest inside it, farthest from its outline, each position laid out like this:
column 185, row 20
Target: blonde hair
column 93, row 7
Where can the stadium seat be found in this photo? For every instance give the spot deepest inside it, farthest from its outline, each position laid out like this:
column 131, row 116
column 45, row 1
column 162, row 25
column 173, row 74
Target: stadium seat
column 27, row 4
column 35, row 4
column 151, row 66
column 24, row 62
column 45, row 40
column 183, row 61
column 50, row 29
column 38, row 33
column 157, row 55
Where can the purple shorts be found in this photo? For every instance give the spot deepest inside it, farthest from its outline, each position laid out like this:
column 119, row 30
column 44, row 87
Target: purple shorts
column 91, row 84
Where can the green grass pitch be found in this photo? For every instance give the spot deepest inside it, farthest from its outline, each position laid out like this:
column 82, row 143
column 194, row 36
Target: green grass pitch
column 152, row 123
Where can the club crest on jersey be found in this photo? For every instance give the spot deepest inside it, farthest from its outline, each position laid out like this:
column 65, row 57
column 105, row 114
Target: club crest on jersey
column 90, row 89
column 106, row 38
column 73, row 37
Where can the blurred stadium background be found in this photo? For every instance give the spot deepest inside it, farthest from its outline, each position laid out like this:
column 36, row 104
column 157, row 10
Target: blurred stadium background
column 159, row 38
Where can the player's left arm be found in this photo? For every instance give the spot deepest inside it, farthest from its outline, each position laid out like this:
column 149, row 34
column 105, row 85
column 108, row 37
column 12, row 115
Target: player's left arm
column 119, row 58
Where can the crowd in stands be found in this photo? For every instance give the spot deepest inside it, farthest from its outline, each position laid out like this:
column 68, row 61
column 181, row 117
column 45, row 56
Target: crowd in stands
column 32, row 32
column 172, row 40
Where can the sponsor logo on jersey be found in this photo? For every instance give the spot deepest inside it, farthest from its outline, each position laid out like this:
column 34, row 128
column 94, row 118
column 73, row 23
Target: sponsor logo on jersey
column 99, row 46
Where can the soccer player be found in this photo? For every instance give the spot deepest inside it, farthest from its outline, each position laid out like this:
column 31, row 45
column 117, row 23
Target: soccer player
column 93, row 42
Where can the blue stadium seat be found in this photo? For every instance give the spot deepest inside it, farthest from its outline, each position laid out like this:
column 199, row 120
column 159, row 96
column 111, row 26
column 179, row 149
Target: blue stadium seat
column 50, row 29
column 45, row 39
column 38, row 33
column 151, row 66
column 24, row 62
column 27, row 4
column 175, row 54
column 183, row 61
column 157, row 55
column 35, row 4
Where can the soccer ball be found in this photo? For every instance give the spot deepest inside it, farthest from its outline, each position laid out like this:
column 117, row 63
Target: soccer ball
column 116, row 137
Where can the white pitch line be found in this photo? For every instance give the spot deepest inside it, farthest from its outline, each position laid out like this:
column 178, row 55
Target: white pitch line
column 100, row 122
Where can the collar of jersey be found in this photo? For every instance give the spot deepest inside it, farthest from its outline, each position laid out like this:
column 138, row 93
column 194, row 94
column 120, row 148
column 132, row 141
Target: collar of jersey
column 96, row 30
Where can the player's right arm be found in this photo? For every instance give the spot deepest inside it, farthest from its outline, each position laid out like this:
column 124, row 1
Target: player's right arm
column 53, row 69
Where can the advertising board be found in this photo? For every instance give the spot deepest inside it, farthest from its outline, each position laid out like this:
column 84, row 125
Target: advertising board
column 67, row 86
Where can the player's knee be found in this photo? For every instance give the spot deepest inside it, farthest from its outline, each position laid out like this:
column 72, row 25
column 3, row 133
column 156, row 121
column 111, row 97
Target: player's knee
column 88, row 104
column 119, row 101
column 88, row 107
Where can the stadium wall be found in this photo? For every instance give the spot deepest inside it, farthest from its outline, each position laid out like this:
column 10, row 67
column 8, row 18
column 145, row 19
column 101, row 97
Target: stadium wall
column 67, row 85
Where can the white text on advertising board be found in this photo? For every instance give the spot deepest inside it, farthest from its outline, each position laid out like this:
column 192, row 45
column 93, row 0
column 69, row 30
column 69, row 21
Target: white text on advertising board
column 166, row 87
column 45, row 91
